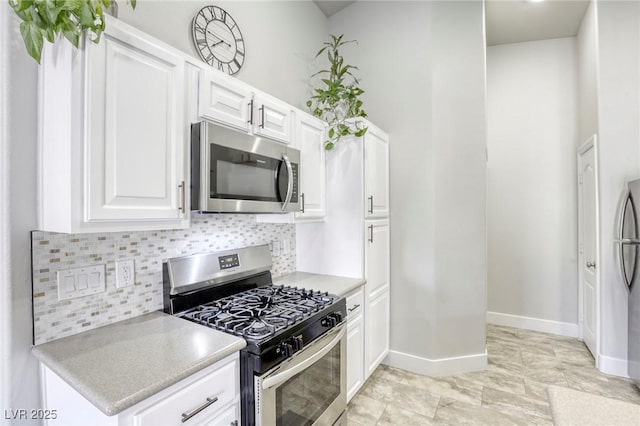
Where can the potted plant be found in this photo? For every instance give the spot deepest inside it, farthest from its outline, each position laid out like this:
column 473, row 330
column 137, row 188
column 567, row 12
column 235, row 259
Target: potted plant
column 337, row 101
column 47, row 19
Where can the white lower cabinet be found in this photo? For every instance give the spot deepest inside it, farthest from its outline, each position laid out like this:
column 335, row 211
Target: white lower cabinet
column 355, row 341
column 208, row 397
column 376, row 261
column 377, row 331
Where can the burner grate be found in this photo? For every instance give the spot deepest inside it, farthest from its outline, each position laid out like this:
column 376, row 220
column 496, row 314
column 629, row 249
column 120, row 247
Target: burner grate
column 261, row 312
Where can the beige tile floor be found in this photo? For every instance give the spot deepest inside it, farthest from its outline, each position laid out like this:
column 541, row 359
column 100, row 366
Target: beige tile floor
column 511, row 391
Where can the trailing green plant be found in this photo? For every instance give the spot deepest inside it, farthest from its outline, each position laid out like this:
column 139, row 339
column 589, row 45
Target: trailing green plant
column 47, row 19
column 337, row 101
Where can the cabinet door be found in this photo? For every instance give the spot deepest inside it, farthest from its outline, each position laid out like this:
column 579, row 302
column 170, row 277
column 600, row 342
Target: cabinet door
column 376, row 256
column 135, row 132
column 229, row 417
column 273, row 118
column 377, row 329
column 310, row 141
column 376, row 173
column 376, row 293
column 225, row 99
column 355, row 355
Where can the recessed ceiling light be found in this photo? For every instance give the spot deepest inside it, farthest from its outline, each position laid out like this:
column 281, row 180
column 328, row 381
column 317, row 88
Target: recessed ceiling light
column 535, row 1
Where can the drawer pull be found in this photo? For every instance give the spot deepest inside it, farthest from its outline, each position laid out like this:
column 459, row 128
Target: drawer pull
column 210, row 401
column 353, row 308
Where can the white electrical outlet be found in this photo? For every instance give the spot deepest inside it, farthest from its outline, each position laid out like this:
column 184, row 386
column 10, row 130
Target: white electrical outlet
column 286, row 246
column 275, row 248
column 80, row 282
column 125, row 275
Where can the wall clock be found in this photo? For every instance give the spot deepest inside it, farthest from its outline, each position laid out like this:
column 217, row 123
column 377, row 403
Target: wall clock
column 218, row 39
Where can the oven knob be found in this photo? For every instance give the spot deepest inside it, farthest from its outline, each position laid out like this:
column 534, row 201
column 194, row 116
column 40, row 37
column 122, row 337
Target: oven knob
column 297, row 343
column 338, row 316
column 332, row 320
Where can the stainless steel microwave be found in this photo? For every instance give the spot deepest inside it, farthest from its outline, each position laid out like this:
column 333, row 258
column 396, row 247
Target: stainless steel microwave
column 233, row 172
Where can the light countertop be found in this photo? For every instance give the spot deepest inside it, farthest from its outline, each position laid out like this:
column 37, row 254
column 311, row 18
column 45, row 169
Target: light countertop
column 119, row 365
column 329, row 283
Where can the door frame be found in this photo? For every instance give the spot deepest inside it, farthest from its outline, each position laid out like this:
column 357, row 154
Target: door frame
column 592, row 142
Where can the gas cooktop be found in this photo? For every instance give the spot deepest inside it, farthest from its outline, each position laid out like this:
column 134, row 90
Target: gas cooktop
column 262, row 312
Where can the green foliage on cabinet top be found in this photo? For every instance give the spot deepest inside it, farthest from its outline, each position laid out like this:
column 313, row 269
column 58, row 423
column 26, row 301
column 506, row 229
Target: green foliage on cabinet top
column 337, row 101
column 48, row 19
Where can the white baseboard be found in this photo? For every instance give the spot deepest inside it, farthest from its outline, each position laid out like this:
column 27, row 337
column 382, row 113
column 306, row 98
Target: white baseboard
column 613, row 366
column 536, row 324
column 436, row 367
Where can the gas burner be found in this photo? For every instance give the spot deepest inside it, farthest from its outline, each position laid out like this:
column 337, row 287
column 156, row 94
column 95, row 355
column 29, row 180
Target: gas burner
column 260, row 312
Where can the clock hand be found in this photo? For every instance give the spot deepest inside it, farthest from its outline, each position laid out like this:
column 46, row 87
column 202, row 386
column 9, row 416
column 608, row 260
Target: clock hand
column 217, row 43
column 221, row 40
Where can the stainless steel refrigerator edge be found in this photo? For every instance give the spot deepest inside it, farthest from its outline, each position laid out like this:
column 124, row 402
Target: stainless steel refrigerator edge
column 259, row 164
column 628, row 251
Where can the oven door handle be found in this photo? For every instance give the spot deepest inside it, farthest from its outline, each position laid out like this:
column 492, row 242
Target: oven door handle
column 319, row 349
column 287, row 199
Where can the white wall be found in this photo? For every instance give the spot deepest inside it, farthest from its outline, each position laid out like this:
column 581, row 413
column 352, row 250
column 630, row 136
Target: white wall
column 422, row 66
column 587, row 75
column 618, row 97
column 18, row 208
column 281, row 37
column 532, row 108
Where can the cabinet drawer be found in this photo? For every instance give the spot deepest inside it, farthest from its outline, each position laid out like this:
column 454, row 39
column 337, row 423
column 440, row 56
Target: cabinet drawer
column 221, row 384
column 355, row 302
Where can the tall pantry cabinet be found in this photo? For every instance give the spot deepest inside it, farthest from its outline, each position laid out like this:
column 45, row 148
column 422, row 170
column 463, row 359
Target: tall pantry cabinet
column 353, row 241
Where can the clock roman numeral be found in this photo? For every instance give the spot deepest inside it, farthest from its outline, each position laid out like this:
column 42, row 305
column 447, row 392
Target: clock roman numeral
column 199, row 28
column 235, row 61
column 201, row 42
column 240, row 52
column 224, row 15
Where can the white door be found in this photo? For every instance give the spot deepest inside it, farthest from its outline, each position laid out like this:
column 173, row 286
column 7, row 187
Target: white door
column 310, row 141
column 376, row 173
column 136, row 140
column 225, row 99
column 588, row 245
column 273, row 118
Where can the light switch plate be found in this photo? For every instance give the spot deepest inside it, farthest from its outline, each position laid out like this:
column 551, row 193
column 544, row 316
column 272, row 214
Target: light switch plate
column 79, row 282
column 125, row 275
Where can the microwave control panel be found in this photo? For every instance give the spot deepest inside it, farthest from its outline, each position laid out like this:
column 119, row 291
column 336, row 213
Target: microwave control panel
column 229, row 261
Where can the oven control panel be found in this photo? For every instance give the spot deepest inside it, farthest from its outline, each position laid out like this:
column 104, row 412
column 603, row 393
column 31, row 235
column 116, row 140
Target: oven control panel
column 229, row 261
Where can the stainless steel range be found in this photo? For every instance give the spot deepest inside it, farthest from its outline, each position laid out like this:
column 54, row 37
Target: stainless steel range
column 293, row 369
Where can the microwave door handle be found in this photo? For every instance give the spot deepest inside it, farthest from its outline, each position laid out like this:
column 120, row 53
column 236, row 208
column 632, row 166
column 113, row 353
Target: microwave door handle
column 289, row 182
column 319, row 350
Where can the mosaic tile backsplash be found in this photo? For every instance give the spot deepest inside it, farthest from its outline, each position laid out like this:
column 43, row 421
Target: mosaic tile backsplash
column 53, row 252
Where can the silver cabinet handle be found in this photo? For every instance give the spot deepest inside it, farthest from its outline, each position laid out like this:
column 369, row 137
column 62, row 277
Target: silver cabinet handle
column 210, row 400
column 262, row 117
column 182, row 207
column 591, row 264
column 250, row 121
column 353, row 308
column 371, row 204
column 289, row 183
column 234, row 423
column 370, row 233
column 302, row 198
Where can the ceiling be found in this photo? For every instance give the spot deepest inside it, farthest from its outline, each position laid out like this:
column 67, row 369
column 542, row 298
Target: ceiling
column 331, row 7
column 514, row 21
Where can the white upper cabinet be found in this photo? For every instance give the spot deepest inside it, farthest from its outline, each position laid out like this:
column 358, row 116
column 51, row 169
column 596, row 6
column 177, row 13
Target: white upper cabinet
column 113, row 142
column 229, row 101
column 376, row 173
column 225, row 99
column 310, row 136
column 273, row 118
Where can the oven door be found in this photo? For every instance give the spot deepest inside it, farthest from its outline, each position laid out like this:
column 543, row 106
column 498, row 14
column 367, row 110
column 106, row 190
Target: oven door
column 309, row 389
